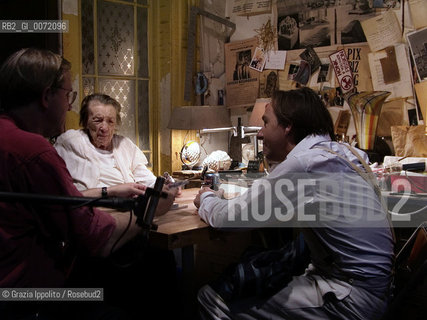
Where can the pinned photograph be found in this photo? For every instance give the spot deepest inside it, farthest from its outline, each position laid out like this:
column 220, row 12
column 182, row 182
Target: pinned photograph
column 258, row 60
column 323, row 73
column 311, row 57
column 293, row 70
column 304, row 72
column 418, row 44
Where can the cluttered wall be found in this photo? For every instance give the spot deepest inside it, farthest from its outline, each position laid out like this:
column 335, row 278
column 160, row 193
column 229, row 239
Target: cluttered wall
column 359, row 56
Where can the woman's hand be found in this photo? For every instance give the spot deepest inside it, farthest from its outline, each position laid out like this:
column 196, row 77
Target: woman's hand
column 172, row 185
column 165, row 203
column 126, row 190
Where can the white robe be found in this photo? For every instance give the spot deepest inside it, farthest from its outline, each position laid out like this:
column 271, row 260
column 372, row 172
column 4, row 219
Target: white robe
column 83, row 162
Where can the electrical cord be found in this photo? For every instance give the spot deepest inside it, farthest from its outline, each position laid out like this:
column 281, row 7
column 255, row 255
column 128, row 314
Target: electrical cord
column 123, row 233
column 114, row 260
column 87, row 203
column 115, row 263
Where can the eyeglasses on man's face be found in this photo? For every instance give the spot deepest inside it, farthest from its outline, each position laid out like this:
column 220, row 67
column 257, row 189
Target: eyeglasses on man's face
column 71, row 95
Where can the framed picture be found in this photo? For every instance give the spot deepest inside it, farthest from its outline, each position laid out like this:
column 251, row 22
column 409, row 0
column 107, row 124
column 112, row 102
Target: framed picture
column 418, row 43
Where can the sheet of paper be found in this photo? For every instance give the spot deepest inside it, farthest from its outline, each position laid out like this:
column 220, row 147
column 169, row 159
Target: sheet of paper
column 251, row 7
column 418, row 10
column 404, row 17
column 275, row 60
column 389, row 66
column 398, row 89
column 382, row 31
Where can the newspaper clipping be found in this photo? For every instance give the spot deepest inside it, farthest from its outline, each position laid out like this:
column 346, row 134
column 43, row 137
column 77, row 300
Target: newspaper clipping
column 242, row 81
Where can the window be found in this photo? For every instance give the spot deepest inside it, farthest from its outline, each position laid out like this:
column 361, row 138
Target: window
column 115, row 61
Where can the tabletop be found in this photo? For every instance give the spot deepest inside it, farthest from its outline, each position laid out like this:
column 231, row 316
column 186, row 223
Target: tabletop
column 182, row 226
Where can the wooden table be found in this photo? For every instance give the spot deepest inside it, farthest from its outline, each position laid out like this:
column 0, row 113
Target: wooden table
column 181, row 229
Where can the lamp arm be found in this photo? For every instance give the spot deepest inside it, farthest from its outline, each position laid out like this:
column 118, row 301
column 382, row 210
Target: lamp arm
column 242, row 130
column 250, row 131
column 215, row 130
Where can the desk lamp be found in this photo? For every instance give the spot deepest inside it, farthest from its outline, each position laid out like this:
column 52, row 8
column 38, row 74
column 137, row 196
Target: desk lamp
column 255, row 122
column 215, row 118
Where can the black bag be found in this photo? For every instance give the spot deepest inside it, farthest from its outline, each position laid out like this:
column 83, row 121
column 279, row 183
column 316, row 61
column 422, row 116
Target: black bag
column 262, row 272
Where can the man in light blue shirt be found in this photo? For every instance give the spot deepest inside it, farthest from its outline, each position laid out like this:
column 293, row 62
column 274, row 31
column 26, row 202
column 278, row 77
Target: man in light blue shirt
column 321, row 186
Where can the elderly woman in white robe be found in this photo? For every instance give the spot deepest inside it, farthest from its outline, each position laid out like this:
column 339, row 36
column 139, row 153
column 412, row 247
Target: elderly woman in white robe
column 96, row 156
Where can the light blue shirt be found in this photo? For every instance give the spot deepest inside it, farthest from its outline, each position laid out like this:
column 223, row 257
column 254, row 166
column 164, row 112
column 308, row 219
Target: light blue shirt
column 317, row 189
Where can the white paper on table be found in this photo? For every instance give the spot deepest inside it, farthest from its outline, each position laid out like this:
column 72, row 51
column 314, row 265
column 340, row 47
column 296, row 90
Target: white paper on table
column 275, row 60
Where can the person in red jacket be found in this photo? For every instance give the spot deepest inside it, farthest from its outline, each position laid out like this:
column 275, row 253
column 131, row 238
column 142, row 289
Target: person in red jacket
column 39, row 241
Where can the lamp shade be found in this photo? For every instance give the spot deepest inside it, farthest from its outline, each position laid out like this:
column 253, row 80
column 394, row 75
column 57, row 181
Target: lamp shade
column 258, row 111
column 199, row 117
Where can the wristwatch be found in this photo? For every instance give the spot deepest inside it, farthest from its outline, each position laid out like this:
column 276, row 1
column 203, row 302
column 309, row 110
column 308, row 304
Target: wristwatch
column 104, row 192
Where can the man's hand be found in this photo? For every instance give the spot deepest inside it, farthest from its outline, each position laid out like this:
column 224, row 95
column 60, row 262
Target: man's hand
column 196, row 200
